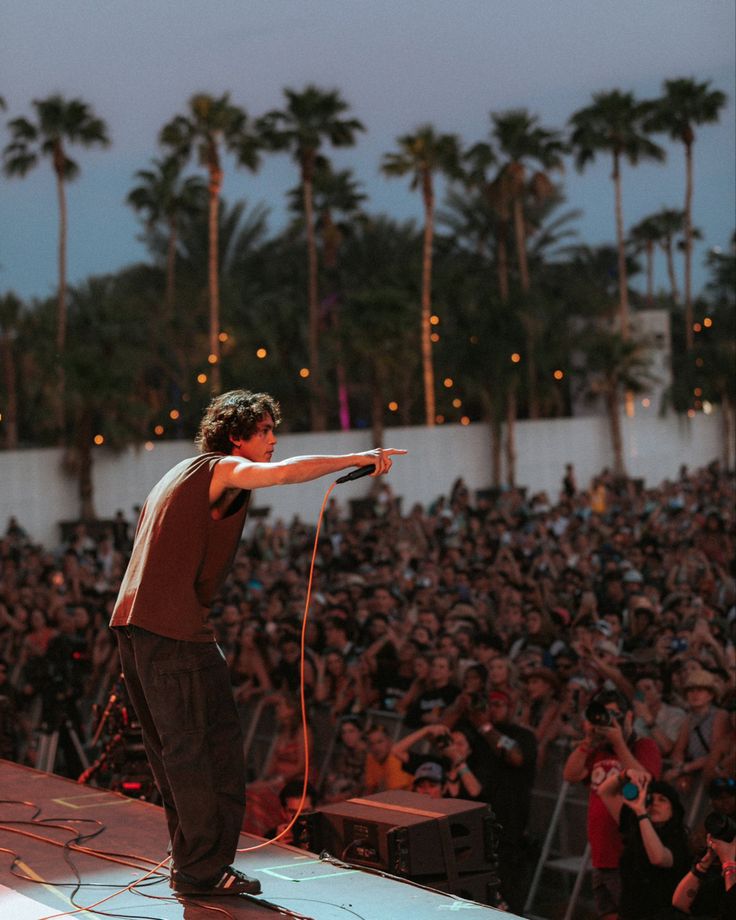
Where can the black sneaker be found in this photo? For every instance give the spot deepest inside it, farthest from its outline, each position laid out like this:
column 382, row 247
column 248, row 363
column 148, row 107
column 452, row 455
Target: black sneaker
column 231, row 882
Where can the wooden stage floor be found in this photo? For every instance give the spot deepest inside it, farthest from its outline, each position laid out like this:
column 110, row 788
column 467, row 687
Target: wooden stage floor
column 41, row 812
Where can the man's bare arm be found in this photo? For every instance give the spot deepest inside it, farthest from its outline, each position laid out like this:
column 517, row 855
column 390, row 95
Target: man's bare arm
column 238, row 473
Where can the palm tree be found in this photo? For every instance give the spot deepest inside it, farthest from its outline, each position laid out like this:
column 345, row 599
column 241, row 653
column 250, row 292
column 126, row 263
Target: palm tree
column 211, row 124
column 670, row 224
column 10, row 311
column 490, row 213
column 381, row 269
column 614, row 123
column 686, row 103
column 644, row 237
column 164, row 197
column 311, row 118
column 59, row 123
column 521, row 141
column 337, row 204
column 611, row 365
column 422, row 155
column 114, row 328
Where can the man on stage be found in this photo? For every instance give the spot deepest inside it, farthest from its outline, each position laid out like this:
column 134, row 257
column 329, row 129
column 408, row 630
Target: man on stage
column 175, row 674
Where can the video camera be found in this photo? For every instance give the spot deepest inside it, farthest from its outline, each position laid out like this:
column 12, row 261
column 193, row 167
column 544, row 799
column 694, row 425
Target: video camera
column 597, row 714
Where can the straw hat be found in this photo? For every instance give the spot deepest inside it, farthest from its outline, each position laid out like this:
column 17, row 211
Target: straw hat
column 702, row 680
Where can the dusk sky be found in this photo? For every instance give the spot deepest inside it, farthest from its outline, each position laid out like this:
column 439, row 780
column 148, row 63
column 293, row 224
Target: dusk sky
column 399, row 63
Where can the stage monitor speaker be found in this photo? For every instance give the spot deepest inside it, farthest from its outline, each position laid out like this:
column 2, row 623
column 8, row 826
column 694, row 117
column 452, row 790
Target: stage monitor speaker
column 407, row 834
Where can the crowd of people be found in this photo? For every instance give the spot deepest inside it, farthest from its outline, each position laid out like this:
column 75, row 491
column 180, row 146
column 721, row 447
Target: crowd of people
column 450, row 650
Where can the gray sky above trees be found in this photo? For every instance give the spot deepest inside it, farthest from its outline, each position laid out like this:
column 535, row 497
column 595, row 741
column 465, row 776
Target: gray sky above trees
column 398, row 63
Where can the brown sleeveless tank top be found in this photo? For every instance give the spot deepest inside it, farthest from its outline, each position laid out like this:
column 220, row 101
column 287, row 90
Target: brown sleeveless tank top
column 180, row 555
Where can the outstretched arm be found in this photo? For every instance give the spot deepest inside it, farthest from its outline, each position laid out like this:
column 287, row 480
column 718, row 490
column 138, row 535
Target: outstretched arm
column 239, row 473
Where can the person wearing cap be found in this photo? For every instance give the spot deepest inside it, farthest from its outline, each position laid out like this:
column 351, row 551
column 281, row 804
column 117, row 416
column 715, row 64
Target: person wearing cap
column 429, row 778
column 605, row 750
column 655, row 851
column 702, row 732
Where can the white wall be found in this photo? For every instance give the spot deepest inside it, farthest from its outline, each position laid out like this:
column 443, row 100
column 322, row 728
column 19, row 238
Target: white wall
column 34, row 489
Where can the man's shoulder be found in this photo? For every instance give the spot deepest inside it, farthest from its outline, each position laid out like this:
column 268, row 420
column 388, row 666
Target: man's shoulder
column 647, row 752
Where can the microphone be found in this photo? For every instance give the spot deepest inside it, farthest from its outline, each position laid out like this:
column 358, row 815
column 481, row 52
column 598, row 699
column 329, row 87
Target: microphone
column 356, row 474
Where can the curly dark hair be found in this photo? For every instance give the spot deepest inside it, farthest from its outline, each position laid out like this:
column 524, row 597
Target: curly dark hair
column 234, row 414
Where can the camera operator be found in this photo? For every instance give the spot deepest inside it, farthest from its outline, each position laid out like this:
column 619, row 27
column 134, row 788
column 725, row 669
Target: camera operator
column 609, row 746
column 655, row 848
column 709, row 888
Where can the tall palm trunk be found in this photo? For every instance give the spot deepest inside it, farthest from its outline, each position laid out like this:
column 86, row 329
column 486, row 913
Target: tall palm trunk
column 502, row 256
column 213, row 272
column 10, row 415
column 316, row 402
column 667, row 246
column 61, row 295
column 520, row 237
column 495, row 434
column 511, row 412
column 377, row 426
column 611, row 397
column 688, row 244
column 61, row 309
column 426, row 341
column 171, row 267
column 330, row 247
column 531, row 345
column 623, row 281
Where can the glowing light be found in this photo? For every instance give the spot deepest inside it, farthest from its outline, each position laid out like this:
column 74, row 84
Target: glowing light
column 393, row 406
column 440, row 419
column 159, row 430
column 435, row 337
column 646, row 402
column 707, row 407
column 515, row 358
column 304, row 372
column 707, row 322
column 434, row 319
column 213, row 359
column 174, row 414
column 148, row 445
column 457, row 403
column 558, row 375
column 691, row 413
column 448, row 382
column 261, row 353
column 465, row 420
column 1, row 416
column 697, row 391
column 201, row 378
column 697, row 327
column 99, row 439
column 223, row 336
